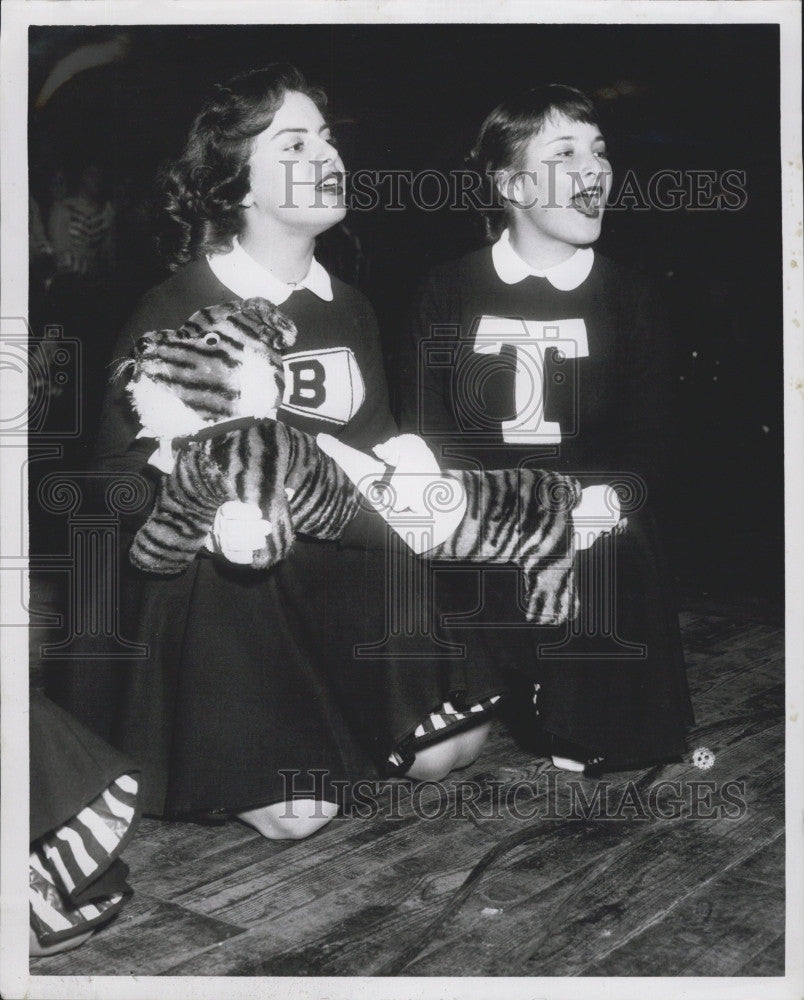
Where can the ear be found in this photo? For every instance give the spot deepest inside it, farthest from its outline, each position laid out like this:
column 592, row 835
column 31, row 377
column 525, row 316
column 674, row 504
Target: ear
column 248, row 201
column 279, row 328
column 510, row 185
column 211, row 316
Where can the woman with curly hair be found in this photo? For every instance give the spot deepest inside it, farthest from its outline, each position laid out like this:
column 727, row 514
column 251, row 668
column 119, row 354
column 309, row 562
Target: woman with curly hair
column 251, row 694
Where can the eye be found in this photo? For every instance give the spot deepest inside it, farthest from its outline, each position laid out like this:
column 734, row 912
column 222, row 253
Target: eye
column 296, row 147
column 212, row 340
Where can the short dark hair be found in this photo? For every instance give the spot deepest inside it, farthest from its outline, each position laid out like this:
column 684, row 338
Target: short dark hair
column 204, row 188
column 506, row 131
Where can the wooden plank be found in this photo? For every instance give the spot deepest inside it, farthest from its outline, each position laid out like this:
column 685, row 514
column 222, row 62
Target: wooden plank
column 168, row 859
column 754, row 645
column 275, row 885
column 703, row 631
column 576, row 851
column 753, row 608
column 351, row 928
column 377, row 900
column 626, row 889
column 740, row 670
column 571, row 894
column 724, row 929
column 147, row 938
column 269, row 886
column 771, row 962
column 347, row 929
column 767, row 866
column 721, row 691
column 162, row 844
column 711, row 633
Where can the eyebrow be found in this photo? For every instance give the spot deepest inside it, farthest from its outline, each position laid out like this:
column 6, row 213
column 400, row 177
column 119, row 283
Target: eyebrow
column 324, row 128
column 565, row 138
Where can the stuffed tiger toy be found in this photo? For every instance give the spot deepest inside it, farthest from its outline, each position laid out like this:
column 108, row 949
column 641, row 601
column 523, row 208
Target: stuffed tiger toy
column 209, row 392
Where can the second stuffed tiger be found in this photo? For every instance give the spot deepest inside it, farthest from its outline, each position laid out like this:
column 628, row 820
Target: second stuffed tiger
column 201, row 390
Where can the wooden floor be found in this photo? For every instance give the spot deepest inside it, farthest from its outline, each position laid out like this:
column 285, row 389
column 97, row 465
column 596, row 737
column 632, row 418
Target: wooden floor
column 624, row 892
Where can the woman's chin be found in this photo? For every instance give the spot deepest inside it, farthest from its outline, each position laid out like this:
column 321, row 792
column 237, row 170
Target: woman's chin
column 323, row 216
column 586, row 228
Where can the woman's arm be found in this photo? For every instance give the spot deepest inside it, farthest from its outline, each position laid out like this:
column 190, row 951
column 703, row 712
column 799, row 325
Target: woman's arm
column 373, row 422
column 424, row 404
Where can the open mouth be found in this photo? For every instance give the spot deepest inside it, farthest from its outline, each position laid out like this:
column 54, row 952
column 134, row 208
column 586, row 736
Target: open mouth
column 331, row 184
column 145, row 367
column 589, row 202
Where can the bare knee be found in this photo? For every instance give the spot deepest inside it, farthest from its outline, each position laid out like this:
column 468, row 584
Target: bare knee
column 436, row 761
column 292, row 820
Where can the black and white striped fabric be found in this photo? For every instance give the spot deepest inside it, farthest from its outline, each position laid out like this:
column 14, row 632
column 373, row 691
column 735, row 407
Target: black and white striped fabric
column 441, row 722
column 64, row 864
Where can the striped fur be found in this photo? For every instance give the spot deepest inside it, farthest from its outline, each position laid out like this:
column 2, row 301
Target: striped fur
column 226, row 362
column 518, row 516
column 523, row 517
column 255, row 465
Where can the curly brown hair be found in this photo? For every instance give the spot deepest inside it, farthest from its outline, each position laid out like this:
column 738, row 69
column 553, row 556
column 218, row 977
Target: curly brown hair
column 203, row 190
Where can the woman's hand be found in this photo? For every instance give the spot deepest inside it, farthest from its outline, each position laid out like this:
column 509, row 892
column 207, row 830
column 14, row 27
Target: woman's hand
column 414, row 466
column 598, row 513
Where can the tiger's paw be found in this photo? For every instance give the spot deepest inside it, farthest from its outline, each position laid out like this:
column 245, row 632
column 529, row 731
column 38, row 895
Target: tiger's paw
column 239, row 534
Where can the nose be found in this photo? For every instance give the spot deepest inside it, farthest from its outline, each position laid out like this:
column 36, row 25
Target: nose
column 591, row 166
column 328, row 153
column 143, row 343
column 595, row 167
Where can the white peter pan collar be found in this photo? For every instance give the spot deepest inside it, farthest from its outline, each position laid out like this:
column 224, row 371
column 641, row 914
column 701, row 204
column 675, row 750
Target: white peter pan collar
column 248, row 279
column 565, row 276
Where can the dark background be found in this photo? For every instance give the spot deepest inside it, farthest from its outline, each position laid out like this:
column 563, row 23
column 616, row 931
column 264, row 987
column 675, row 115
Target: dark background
column 410, row 97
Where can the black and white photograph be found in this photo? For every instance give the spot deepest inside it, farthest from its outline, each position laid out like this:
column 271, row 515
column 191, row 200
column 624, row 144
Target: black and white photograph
column 401, row 435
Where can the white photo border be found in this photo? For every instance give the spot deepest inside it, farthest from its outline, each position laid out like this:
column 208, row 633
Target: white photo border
column 18, row 15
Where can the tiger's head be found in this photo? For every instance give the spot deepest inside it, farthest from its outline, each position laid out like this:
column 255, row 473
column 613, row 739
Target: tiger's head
column 224, row 362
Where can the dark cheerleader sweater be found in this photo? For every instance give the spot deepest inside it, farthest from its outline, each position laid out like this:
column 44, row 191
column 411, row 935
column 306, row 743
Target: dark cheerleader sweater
column 337, row 381
column 598, row 358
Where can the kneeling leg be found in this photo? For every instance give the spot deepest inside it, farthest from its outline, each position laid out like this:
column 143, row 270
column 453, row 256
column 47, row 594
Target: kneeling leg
column 292, row 820
column 436, row 761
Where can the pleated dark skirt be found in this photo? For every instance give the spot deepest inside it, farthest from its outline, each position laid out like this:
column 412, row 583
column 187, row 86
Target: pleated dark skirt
column 260, row 686
column 614, row 681
column 84, row 809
